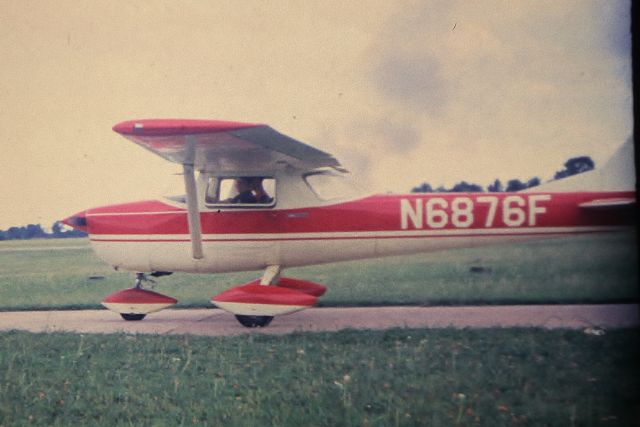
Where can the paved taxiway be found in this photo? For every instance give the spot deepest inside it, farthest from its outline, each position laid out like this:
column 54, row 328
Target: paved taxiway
column 214, row 322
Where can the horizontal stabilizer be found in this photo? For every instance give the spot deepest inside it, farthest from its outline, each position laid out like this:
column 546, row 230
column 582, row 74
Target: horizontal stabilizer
column 617, row 174
column 614, row 203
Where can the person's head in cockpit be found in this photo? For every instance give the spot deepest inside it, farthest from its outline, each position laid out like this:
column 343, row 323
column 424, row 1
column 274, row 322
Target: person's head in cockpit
column 244, row 187
column 259, row 191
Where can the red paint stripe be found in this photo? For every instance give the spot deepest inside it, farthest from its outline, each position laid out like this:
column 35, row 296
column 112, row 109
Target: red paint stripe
column 376, row 213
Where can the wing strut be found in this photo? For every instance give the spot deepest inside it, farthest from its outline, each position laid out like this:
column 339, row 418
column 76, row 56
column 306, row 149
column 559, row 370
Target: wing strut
column 192, row 203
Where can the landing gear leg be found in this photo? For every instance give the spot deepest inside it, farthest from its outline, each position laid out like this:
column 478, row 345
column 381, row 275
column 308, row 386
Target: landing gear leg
column 140, row 279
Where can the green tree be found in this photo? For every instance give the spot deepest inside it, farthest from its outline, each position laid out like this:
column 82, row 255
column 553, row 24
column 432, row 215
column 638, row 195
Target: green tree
column 515, row 185
column 465, row 187
column 496, row 187
column 422, row 188
column 574, row 166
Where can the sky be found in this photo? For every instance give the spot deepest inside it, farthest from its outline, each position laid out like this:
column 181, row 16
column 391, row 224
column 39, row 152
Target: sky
column 401, row 92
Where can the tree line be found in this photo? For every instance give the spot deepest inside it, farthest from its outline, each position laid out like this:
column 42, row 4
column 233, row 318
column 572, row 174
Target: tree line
column 35, row 231
column 573, row 166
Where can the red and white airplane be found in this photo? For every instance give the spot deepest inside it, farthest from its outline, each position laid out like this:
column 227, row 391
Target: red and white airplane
column 259, row 200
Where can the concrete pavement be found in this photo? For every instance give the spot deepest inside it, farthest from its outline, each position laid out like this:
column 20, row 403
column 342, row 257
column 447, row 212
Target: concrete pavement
column 215, row 322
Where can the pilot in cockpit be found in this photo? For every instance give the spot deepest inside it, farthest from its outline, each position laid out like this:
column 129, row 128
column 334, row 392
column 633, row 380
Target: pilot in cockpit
column 244, row 189
column 259, row 191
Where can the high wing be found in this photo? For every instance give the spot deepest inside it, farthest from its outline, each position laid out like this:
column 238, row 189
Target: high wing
column 219, row 146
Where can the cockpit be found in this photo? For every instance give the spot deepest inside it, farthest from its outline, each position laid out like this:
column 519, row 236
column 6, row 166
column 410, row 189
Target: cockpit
column 286, row 190
column 243, row 190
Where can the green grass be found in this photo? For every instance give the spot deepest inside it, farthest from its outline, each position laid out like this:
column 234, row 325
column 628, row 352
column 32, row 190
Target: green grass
column 371, row 378
column 593, row 268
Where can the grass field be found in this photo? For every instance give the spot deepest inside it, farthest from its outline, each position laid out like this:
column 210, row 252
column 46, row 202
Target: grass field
column 400, row 377
column 583, row 269
column 352, row 378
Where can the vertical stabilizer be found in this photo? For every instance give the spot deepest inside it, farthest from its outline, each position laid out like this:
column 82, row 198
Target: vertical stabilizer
column 617, row 174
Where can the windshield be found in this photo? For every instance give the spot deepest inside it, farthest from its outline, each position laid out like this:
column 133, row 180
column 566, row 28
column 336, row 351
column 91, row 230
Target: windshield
column 330, row 185
column 171, row 187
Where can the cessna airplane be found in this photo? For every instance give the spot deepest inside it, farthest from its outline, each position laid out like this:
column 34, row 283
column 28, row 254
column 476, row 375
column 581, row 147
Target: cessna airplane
column 259, row 200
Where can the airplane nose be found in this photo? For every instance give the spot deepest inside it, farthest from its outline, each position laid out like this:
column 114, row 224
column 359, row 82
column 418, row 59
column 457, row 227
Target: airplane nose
column 77, row 221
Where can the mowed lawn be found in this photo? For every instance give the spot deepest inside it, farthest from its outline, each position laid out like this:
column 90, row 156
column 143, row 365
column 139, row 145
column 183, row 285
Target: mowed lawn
column 400, row 377
column 499, row 377
column 41, row 274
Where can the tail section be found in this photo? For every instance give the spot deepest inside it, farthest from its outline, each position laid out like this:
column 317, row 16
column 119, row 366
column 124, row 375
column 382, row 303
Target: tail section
column 617, row 174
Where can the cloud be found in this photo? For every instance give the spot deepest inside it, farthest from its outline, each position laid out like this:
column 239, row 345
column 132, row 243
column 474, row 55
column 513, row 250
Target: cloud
column 385, row 134
column 411, row 91
column 485, row 87
column 416, row 81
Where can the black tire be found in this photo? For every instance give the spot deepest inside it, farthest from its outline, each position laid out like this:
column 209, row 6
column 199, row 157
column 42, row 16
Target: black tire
column 132, row 316
column 254, row 321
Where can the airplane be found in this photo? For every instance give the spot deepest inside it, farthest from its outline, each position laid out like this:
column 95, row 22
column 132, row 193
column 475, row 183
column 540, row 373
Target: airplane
column 258, row 200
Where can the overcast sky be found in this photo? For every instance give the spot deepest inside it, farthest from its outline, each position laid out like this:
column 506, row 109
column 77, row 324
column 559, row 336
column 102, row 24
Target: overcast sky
column 401, row 92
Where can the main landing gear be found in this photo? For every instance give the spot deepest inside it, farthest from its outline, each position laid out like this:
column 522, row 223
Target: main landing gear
column 255, row 304
column 135, row 303
column 254, row 321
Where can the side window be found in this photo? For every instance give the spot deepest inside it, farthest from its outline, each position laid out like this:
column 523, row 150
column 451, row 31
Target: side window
column 241, row 192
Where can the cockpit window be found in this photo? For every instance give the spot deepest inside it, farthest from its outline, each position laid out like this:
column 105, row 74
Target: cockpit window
column 249, row 191
column 330, row 185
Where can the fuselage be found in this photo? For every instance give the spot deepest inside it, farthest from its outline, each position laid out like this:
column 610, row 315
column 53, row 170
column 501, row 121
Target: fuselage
column 154, row 235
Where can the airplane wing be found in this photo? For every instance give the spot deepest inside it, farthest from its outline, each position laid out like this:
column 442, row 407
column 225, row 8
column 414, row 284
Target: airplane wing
column 218, row 146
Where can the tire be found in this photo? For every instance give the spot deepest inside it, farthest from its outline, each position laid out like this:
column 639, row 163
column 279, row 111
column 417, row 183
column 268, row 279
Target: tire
column 254, row 321
column 132, row 316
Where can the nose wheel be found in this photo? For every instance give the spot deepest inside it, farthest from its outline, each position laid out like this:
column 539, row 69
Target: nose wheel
column 135, row 303
column 132, row 316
